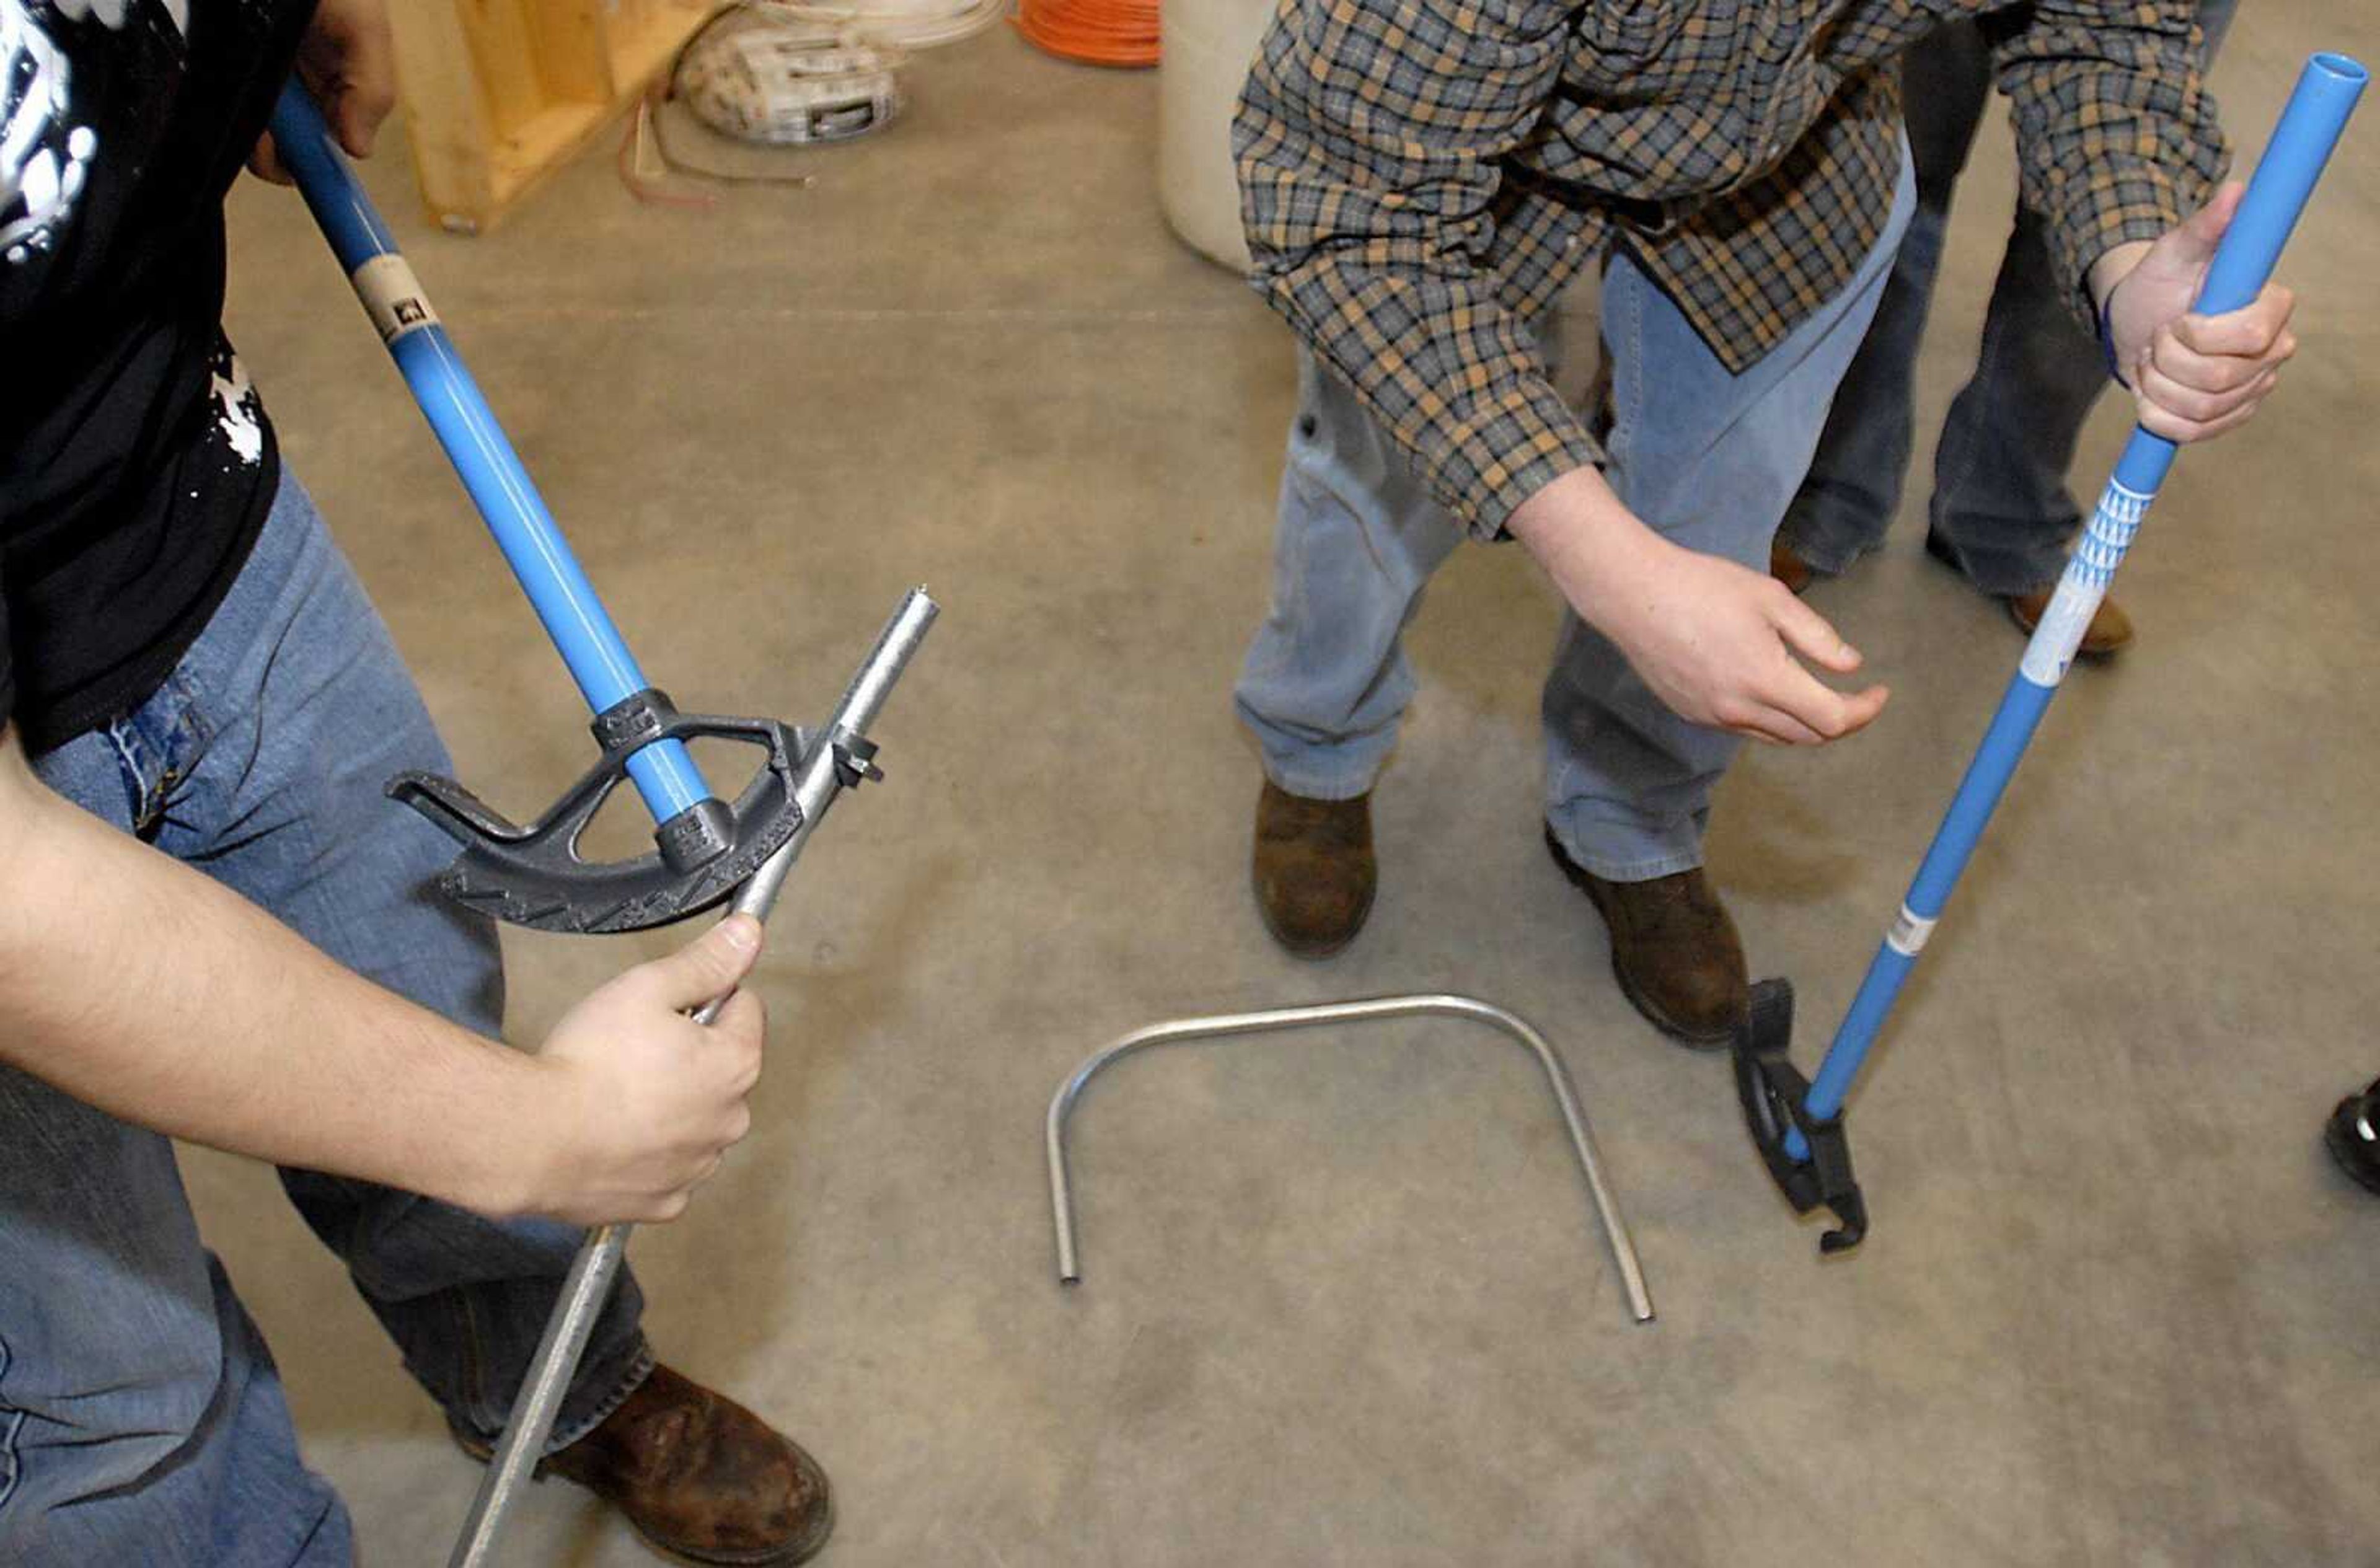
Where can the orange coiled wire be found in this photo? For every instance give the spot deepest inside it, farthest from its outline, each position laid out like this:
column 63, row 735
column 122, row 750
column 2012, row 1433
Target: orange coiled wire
column 1098, row 32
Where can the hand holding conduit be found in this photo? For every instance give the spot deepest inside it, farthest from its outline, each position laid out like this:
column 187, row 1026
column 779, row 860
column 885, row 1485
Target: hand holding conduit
column 706, row 850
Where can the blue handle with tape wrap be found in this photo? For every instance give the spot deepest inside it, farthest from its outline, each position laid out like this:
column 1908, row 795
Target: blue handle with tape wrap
column 2301, row 144
column 583, row 632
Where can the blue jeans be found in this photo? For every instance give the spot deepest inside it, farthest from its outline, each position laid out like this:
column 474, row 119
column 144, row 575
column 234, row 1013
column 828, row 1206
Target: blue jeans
column 1705, row 457
column 141, row 1421
column 2001, row 511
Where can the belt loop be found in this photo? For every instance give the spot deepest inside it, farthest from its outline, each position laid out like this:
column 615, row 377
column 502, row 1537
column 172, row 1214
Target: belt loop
column 160, row 744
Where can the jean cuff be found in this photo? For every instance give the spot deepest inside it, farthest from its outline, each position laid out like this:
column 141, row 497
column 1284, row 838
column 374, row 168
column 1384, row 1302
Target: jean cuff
column 1995, row 573
column 1640, row 869
column 640, row 1364
column 1813, row 542
column 1314, row 786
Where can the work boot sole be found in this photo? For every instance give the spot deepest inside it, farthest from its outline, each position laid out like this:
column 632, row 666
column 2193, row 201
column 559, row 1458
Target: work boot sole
column 1644, row 1005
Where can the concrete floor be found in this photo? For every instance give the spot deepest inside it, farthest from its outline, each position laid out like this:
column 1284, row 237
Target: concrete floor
column 1345, row 1303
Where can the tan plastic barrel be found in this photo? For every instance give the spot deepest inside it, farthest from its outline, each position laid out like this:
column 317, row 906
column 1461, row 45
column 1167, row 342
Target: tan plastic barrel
column 1208, row 45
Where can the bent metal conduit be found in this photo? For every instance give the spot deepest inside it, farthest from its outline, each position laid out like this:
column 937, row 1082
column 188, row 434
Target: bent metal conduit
column 1373, row 1010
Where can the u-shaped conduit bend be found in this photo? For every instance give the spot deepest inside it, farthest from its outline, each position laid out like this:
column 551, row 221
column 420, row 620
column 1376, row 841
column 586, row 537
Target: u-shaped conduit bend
column 1372, row 1010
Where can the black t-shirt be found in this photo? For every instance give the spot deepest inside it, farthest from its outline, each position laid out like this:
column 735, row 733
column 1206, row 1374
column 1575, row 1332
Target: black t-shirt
column 135, row 462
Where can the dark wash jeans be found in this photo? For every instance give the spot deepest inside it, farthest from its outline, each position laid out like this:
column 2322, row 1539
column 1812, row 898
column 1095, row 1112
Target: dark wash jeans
column 141, row 1421
column 2000, row 506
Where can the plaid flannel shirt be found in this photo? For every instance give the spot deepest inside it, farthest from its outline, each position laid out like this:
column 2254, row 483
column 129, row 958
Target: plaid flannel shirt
column 1420, row 178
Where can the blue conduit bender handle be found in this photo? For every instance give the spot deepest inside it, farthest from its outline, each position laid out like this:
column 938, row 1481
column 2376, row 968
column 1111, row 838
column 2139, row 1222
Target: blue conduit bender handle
column 558, row 590
column 534, row 875
column 1799, row 1128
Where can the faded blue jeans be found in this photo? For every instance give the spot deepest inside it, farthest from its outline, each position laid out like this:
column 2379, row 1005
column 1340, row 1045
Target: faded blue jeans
column 1707, row 457
column 141, row 1421
column 2001, row 511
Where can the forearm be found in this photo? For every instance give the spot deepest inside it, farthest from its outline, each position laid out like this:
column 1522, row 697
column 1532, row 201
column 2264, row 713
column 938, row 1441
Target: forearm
column 1716, row 642
column 138, row 985
column 1587, row 541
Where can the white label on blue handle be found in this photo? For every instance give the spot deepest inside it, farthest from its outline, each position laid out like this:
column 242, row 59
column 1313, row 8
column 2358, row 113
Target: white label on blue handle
column 393, row 295
column 1909, row 933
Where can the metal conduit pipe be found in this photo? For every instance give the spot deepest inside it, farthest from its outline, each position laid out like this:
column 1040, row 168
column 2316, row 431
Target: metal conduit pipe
column 1372, row 1010
column 830, row 767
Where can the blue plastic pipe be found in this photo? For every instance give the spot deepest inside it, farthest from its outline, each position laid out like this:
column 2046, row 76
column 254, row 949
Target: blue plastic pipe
column 2293, row 161
column 590, row 644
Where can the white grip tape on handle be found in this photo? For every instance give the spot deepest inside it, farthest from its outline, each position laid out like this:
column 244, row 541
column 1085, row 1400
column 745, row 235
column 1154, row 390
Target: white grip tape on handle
column 2084, row 585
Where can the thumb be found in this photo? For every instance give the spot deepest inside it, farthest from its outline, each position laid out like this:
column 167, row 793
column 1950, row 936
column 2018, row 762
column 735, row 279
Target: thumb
column 265, row 161
column 710, row 966
column 1808, row 634
column 357, row 129
column 2193, row 243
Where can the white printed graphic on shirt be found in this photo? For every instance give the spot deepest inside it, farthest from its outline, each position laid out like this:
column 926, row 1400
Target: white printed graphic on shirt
column 111, row 13
column 45, row 159
column 238, row 409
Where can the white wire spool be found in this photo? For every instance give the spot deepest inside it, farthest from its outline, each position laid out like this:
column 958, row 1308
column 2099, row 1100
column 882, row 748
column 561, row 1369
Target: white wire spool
column 1207, row 46
column 909, row 24
column 768, row 74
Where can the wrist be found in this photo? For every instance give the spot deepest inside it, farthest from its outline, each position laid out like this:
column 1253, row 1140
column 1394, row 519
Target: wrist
column 2112, row 268
column 2107, row 274
column 515, row 1153
column 2107, row 342
column 1587, row 540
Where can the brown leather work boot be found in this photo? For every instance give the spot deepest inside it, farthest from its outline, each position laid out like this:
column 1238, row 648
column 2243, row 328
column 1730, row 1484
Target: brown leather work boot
column 2109, row 633
column 1314, row 871
column 697, row 1475
column 1673, row 949
column 1796, row 574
